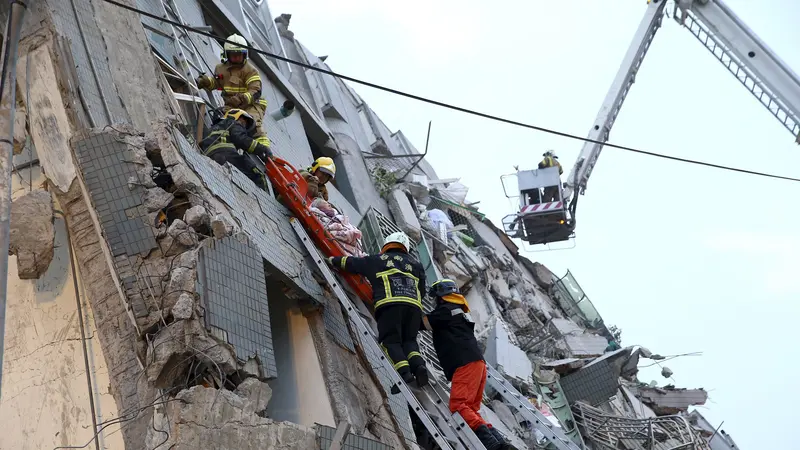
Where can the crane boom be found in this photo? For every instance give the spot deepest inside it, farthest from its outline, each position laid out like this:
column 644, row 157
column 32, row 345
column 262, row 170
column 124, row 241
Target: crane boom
column 737, row 47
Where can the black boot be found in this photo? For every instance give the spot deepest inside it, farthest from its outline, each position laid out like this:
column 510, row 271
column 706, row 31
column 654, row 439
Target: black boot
column 486, row 437
column 407, row 377
column 422, row 376
column 505, row 444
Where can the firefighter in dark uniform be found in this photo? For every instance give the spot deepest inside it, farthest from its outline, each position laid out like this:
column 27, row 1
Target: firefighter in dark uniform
column 461, row 359
column 550, row 160
column 397, row 282
column 233, row 133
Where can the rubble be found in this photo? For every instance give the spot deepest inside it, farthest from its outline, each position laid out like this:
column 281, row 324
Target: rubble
column 184, row 307
column 197, row 217
column 156, row 199
column 32, row 235
column 404, row 215
column 211, row 418
column 221, row 227
column 669, row 399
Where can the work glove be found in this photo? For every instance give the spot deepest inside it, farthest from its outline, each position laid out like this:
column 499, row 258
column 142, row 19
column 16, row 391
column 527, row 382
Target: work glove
column 203, row 82
column 329, row 261
column 233, row 101
column 263, row 152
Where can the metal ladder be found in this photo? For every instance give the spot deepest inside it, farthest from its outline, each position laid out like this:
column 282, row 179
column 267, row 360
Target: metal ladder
column 436, row 400
column 553, row 434
column 444, row 434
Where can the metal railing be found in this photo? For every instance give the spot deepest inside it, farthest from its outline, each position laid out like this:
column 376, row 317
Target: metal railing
column 612, row 432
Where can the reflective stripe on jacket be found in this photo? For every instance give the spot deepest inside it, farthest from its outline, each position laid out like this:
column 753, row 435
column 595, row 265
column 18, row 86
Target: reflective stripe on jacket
column 243, row 81
column 228, row 133
column 549, row 161
column 395, row 277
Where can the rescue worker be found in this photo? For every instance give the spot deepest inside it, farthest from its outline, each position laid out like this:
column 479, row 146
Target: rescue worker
column 240, row 84
column 550, row 160
column 231, row 134
column 461, row 359
column 396, row 282
column 318, row 175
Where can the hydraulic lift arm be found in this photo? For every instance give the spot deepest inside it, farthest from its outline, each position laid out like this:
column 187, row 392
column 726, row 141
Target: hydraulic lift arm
column 768, row 78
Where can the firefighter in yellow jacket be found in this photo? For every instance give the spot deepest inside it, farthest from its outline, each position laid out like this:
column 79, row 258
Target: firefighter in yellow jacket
column 550, row 160
column 240, row 84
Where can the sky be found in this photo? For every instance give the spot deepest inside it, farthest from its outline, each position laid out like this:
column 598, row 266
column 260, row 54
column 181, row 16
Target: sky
column 683, row 258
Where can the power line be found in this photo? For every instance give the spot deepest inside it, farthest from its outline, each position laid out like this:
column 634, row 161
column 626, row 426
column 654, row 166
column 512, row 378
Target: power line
column 450, row 106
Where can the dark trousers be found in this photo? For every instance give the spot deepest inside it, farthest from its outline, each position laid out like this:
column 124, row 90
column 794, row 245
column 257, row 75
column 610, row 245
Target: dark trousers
column 551, row 194
column 241, row 162
column 398, row 326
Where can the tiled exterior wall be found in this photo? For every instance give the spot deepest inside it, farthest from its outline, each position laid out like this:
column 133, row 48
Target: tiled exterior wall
column 234, row 295
column 325, row 436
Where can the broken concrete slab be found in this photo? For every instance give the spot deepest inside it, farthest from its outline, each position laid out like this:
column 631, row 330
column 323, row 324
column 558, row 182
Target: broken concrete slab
column 519, row 318
column 543, row 276
column 221, row 227
column 256, row 393
column 184, row 307
column 181, row 282
column 32, row 235
column 197, row 217
column 156, row 199
column 182, row 234
column 404, row 214
column 669, row 400
column 210, row 418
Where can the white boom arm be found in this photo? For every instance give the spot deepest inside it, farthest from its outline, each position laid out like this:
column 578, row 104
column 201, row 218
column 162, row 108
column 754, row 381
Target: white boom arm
column 768, row 78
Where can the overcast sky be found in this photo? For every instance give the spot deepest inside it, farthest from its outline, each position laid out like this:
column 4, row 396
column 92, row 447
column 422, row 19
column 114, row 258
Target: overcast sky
column 682, row 258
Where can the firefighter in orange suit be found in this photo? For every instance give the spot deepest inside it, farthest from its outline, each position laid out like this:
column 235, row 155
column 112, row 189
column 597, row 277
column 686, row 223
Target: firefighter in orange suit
column 240, row 84
column 461, row 359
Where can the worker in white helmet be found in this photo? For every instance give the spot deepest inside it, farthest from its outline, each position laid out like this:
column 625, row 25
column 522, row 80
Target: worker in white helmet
column 398, row 283
column 240, row 84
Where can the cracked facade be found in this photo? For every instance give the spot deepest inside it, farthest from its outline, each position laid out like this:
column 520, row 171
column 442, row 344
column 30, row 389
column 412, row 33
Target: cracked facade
column 158, row 300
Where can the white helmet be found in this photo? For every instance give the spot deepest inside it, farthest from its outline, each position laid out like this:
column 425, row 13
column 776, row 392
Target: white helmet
column 550, row 153
column 235, row 43
column 398, row 238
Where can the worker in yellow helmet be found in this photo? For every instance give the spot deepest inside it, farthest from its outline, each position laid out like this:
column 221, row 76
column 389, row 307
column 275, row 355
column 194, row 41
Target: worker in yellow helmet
column 240, row 84
column 550, row 160
column 320, row 173
column 231, row 134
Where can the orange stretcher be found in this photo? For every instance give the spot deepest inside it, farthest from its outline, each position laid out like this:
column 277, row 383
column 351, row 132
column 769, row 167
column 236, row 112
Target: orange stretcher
column 293, row 190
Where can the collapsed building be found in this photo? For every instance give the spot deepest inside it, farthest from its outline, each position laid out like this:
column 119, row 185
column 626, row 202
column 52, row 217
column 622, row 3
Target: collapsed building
column 159, row 300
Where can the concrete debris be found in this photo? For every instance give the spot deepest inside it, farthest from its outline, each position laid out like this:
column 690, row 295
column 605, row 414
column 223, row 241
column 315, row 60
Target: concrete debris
column 221, row 227
column 666, row 372
column 564, row 366
column 519, row 318
column 404, row 214
column 182, row 234
column 177, row 346
column 498, row 285
column 669, row 400
column 184, row 307
column 257, row 393
column 156, row 199
column 197, row 217
column 210, row 418
column 543, row 276
column 579, row 342
column 32, row 236
column 181, row 281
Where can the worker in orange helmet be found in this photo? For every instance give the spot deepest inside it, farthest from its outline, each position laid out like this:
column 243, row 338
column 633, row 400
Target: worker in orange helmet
column 461, row 359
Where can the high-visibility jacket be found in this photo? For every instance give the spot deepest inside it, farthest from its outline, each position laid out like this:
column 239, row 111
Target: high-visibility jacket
column 241, row 88
column 229, row 133
column 549, row 161
column 395, row 277
column 322, row 189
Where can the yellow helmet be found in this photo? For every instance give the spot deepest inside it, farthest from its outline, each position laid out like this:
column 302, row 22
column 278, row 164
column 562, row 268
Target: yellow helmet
column 237, row 114
column 324, row 165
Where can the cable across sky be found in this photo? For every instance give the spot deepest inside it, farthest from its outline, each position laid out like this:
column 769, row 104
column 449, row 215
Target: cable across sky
column 451, row 106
